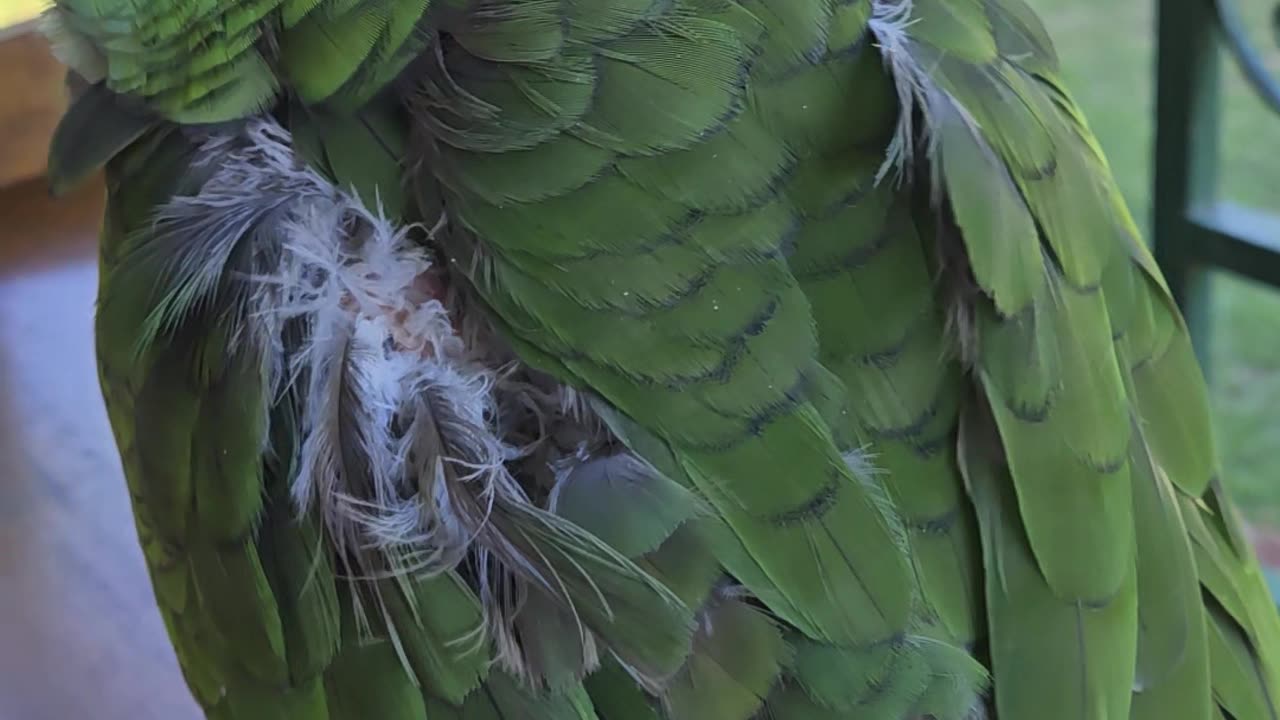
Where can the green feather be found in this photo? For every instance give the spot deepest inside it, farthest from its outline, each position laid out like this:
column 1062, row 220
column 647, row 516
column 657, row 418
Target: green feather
column 438, row 629
column 738, row 655
column 646, row 507
column 616, row 696
column 1052, row 657
column 96, row 127
column 367, row 677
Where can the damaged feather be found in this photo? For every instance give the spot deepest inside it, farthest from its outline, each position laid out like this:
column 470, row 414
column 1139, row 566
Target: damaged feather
column 425, row 447
column 890, row 22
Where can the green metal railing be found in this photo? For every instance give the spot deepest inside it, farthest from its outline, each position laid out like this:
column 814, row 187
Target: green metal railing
column 1194, row 230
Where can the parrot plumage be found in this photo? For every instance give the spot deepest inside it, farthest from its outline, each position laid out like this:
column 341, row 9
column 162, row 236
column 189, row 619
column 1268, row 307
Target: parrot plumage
column 643, row 359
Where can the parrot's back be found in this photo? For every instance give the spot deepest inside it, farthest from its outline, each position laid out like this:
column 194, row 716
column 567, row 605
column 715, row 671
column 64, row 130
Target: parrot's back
column 647, row 359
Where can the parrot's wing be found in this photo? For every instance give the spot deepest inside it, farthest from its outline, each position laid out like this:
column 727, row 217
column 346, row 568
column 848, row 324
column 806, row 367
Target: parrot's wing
column 235, row 585
column 1117, row 580
column 627, row 212
column 892, row 374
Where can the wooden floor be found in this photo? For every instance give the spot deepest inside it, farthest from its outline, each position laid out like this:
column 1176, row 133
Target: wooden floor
column 80, row 636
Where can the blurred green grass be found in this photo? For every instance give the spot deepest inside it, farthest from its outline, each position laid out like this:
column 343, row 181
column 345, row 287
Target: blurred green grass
column 1107, row 51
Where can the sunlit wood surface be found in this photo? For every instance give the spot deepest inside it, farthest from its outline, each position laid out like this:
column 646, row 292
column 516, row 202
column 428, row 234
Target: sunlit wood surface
column 80, row 636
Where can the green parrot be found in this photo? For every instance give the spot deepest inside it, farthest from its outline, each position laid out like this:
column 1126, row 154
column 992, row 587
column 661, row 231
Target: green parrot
column 647, row 359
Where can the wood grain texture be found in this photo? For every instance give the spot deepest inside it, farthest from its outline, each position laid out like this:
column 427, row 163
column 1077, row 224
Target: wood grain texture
column 32, row 99
column 80, row 636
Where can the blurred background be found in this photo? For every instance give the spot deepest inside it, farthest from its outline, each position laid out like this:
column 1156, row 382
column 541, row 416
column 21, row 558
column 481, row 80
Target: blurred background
column 81, row 637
